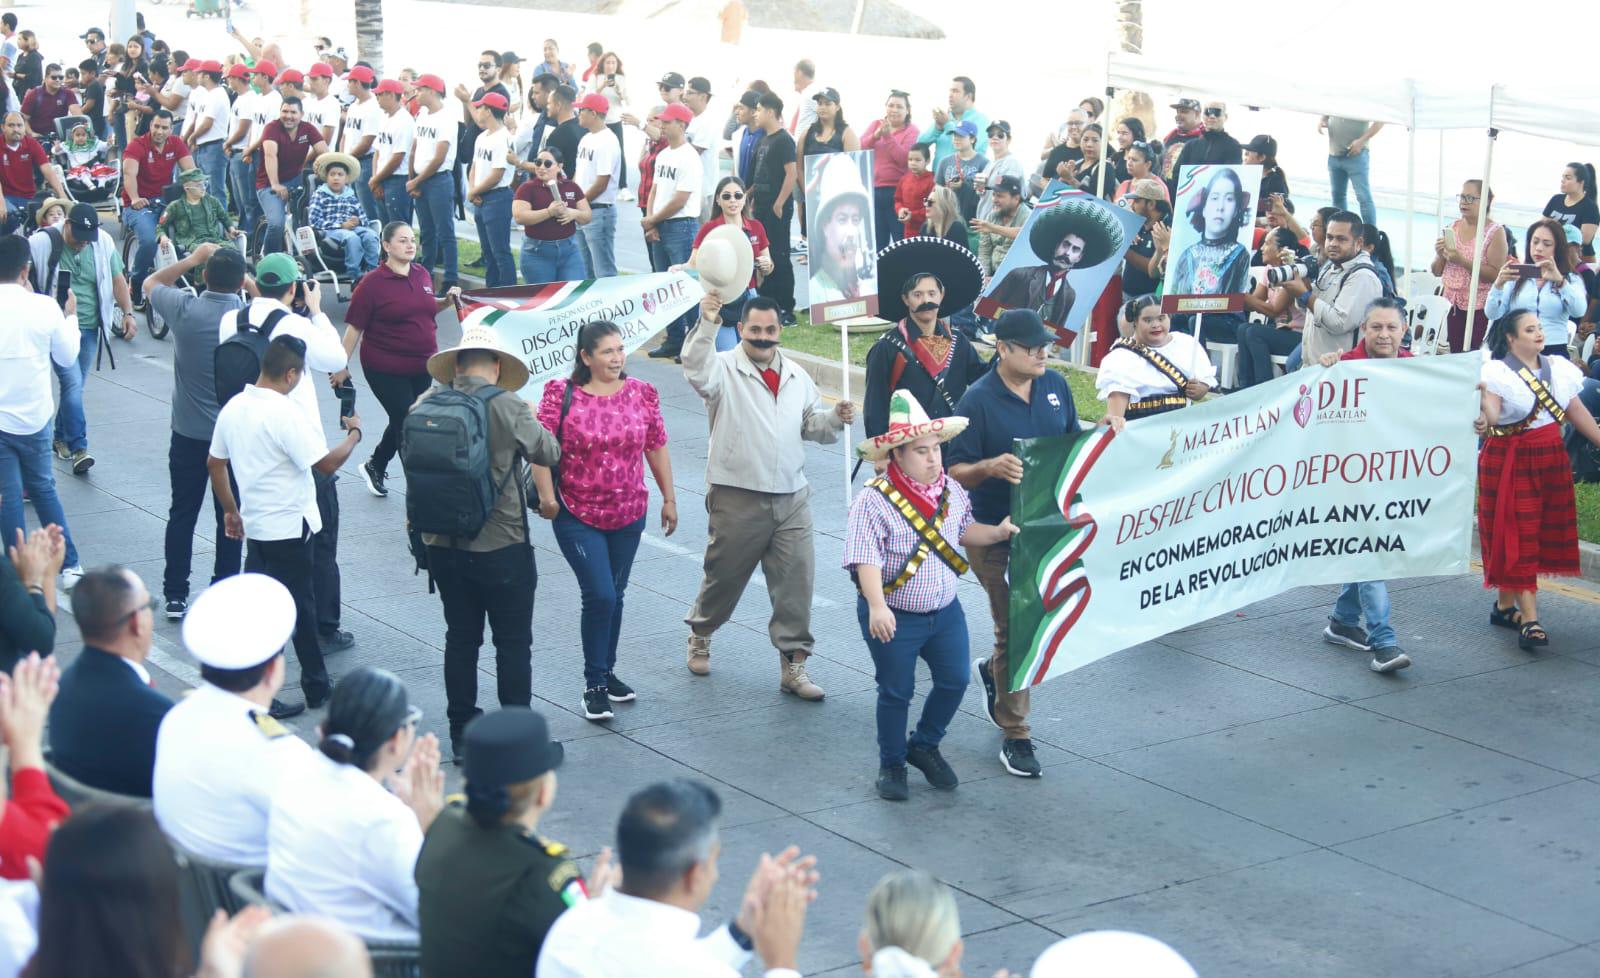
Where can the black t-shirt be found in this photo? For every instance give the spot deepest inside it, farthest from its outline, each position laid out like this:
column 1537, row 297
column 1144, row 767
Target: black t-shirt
column 95, row 94
column 1135, row 282
column 1583, row 212
column 1272, row 182
column 29, row 71
column 565, row 137
column 773, row 153
column 1062, row 153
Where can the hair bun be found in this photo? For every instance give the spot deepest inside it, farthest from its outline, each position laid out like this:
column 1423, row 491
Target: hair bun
column 338, row 747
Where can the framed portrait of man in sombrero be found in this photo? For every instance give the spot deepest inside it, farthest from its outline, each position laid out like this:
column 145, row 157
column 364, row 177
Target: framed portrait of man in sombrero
column 1212, row 227
column 843, row 283
column 1063, row 258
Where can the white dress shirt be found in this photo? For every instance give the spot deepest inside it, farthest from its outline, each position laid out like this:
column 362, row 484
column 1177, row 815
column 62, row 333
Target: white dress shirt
column 217, row 769
column 621, row 936
column 324, row 349
column 36, row 332
column 272, row 452
column 341, row 846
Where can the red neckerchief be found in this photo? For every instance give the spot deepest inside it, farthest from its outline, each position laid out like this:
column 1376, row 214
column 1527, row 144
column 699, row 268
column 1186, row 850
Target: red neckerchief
column 1056, row 279
column 931, row 362
column 772, row 378
column 924, row 498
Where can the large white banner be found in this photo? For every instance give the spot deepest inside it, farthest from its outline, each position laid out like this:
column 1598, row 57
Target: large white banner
column 540, row 322
column 1357, row 472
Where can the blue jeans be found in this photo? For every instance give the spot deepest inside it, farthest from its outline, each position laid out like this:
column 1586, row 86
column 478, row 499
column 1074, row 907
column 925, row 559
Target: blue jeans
column 1369, row 599
column 71, row 425
column 396, row 201
column 493, row 218
column 25, row 467
column 599, row 240
column 360, row 248
column 369, row 203
column 1345, row 170
column 436, row 214
column 243, row 176
column 275, row 209
column 677, row 242
column 16, row 216
column 939, row 638
column 143, row 222
column 551, row 261
column 601, row 560
column 210, row 159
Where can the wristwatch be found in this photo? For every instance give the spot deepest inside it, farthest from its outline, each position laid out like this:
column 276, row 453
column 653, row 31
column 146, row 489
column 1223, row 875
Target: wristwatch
column 745, row 942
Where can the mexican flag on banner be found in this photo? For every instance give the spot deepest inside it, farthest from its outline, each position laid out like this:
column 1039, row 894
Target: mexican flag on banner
column 540, row 323
column 1357, row 472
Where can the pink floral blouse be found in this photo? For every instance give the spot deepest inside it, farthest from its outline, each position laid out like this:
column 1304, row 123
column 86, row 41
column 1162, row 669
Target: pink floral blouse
column 602, row 449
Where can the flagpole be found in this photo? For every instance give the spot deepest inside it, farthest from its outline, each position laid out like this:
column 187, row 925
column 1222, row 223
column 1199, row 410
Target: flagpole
column 844, row 395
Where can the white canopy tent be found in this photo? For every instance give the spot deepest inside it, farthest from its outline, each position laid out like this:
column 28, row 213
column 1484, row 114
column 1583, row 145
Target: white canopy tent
column 1409, row 102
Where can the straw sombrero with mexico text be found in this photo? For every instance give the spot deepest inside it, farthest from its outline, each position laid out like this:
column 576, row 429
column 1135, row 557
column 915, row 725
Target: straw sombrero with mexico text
column 908, row 422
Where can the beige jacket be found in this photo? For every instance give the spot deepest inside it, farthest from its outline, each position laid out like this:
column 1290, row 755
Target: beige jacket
column 755, row 438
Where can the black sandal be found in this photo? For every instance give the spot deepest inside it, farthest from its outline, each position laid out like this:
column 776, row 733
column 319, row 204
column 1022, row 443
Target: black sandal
column 1506, row 617
column 1532, row 636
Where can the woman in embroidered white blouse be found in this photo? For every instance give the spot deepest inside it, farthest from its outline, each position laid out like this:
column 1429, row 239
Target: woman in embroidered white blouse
column 1128, row 378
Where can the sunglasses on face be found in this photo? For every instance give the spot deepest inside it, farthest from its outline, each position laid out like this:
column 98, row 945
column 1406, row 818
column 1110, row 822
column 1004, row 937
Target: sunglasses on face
column 927, row 202
column 1214, row 113
column 485, row 66
column 730, row 195
column 56, row 78
column 544, row 162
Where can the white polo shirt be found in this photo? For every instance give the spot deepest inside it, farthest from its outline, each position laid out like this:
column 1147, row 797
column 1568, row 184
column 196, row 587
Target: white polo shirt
column 265, row 437
column 362, row 119
column 213, row 104
column 677, row 169
column 395, row 135
column 599, row 155
column 489, row 152
column 433, row 128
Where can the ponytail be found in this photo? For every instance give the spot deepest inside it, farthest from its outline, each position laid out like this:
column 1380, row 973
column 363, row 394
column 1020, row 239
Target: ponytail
column 1585, row 172
column 366, row 709
column 1134, row 307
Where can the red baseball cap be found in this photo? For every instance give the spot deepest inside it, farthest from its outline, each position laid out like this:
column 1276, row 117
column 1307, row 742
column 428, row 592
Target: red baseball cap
column 595, row 102
column 431, row 81
column 192, row 65
column 238, row 70
column 291, row 76
column 215, row 66
column 389, row 86
column 265, row 68
column 362, row 74
column 676, row 112
column 321, row 70
column 494, row 100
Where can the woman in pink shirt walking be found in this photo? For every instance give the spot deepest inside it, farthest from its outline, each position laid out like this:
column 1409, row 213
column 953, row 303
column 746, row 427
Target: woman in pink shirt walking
column 608, row 425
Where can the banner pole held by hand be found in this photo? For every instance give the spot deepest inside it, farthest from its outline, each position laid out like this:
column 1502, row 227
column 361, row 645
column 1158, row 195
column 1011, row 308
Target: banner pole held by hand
column 844, row 395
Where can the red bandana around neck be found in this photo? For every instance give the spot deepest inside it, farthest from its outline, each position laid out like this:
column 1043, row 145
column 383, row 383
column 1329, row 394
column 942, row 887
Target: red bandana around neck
column 924, row 498
column 772, row 378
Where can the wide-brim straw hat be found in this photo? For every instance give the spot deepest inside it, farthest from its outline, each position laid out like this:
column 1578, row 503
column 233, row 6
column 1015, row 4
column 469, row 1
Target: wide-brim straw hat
column 725, row 261
column 513, row 372
column 350, row 163
column 908, row 421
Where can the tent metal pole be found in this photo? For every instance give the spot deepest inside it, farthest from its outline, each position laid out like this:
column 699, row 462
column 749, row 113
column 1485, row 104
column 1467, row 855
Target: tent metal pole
column 1411, row 207
column 1439, row 200
column 1480, row 240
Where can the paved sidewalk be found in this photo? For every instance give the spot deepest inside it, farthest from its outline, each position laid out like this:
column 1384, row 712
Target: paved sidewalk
column 1241, row 789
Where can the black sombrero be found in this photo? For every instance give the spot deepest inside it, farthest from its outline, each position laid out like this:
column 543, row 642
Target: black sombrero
column 954, row 266
column 1084, row 216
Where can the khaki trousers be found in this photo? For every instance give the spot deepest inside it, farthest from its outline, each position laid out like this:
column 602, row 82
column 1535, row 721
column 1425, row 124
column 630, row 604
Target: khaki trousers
column 770, row 529
column 989, row 564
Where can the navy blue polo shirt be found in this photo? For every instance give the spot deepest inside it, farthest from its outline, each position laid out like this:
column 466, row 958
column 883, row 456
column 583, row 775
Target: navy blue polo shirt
column 996, row 418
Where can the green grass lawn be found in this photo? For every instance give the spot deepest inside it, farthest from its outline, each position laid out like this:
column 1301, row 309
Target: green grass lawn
column 1588, row 494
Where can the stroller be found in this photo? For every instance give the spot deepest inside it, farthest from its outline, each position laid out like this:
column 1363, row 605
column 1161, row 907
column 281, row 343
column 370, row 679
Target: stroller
column 88, row 169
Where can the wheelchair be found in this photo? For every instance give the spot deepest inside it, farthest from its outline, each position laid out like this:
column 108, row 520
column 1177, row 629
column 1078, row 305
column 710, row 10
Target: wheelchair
column 320, row 257
column 92, row 176
column 160, row 327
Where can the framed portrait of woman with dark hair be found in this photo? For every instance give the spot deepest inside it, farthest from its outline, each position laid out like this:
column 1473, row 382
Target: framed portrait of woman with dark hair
column 1211, row 237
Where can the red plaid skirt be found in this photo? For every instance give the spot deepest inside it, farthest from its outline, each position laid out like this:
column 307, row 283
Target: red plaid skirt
column 1527, row 522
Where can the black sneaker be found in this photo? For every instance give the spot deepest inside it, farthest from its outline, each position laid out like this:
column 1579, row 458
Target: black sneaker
column 981, row 667
column 283, row 711
column 335, row 641
column 666, row 351
column 618, row 691
column 373, row 478
column 1017, row 756
column 1350, row 636
column 176, row 609
column 892, row 783
column 787, row 320
column 318, row 699
column 932, row 764
column 596, row 705
column 1390, row 659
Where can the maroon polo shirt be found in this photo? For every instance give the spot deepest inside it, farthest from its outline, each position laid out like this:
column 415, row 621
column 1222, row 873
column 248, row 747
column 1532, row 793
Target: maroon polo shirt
column 16, row 166
column 395, row 314
column 539, row 195
column 156, row 166
column 292, row 150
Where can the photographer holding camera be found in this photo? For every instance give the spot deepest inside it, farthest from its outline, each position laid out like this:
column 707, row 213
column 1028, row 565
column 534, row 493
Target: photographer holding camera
column 1337, row 291
column 278, row 278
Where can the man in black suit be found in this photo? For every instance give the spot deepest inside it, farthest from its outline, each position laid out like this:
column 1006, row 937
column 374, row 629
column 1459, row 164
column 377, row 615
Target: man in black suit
column 104, row 721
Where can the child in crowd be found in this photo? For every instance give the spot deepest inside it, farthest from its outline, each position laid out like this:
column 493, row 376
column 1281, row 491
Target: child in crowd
column 195, row 218
column 910, row 197
column 336, row 214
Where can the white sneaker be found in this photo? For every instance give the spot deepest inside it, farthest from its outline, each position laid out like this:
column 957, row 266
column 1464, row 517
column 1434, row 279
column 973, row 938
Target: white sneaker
column 625, row 195
column 70, row 576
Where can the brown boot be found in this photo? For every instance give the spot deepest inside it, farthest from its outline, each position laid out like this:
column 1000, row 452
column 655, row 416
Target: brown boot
column 699, row 655
column 794, row 680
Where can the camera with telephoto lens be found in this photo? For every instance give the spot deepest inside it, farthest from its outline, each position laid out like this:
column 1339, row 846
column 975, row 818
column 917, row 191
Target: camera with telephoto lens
column 1305, row 268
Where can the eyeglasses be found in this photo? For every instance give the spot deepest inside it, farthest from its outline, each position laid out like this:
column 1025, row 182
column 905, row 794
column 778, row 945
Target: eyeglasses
column 413, row 716
column 927, row 202
column 731, row 195
column 150, row 604
column 1467, row 198
column 544, row 162
column 1216, row 113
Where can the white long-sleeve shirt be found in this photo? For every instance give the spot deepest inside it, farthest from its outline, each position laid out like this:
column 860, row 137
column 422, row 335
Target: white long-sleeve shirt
column 36, row 332
column 621, row 936
column 324, row 349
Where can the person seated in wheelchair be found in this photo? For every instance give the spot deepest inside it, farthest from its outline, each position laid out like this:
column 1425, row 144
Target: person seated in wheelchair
column 85, row 159
column 336, row 214
column 21, row 160
column 196, row 218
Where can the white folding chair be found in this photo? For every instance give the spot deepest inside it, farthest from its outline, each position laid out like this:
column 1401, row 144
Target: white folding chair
column 1428, row 324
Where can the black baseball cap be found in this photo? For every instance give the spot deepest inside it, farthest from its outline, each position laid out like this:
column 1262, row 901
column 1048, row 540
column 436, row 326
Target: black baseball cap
column 509, row 746
column 1008, row 184
column 750, row 99
column 701, row 85
column 826, row 95
column 1265, row 145
column 1024, row 328
column 1192, row 104
column 1000, row 124
column 84, row 221
column 670, row 80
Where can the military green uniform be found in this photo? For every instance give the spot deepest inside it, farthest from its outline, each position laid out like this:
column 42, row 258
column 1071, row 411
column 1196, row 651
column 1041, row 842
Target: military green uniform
column 487, row 897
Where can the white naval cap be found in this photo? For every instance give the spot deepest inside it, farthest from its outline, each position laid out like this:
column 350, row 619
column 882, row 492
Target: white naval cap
column 239, row 622
column 1110, row 954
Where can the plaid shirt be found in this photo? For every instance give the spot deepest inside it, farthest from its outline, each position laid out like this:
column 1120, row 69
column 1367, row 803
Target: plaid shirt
column 877, row 534
column 329, row 211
